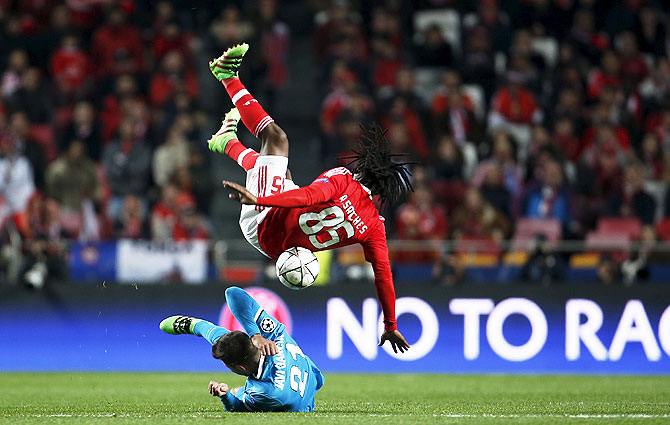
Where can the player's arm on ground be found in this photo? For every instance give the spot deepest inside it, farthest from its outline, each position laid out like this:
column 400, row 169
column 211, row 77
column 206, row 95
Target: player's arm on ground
column 320, row 190
column 247, row 399
column 247, row 311
column 376, row 252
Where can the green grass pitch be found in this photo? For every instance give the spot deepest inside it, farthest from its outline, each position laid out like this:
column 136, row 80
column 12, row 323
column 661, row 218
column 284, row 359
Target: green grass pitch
column 179, row 398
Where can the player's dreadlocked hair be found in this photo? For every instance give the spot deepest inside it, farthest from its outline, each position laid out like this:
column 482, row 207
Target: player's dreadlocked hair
column 374, row 167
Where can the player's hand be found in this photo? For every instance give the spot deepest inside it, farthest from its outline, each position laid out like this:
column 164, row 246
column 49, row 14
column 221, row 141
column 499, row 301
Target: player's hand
column 267, row 347
column 243, row 195
column 396, row 339
column 218, row 389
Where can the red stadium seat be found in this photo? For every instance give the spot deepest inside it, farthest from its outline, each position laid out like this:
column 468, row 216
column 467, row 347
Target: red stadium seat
column 625, row 226
column 616, row 244
column 528, row 228
column 472, row 245
column 663, row 229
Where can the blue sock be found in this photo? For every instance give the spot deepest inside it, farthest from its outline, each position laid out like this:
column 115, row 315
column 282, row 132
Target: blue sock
column 209, row 331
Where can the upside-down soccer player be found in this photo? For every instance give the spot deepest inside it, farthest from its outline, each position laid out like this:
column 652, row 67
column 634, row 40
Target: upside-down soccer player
column 333, row 211
column 280, row 377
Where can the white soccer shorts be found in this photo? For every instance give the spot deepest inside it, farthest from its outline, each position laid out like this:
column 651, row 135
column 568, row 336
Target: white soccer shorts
column 268, row 177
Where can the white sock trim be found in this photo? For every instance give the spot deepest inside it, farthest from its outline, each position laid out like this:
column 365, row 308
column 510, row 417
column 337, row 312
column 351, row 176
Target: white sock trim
column 264, row 123
column 239, row 95
column 242, row 155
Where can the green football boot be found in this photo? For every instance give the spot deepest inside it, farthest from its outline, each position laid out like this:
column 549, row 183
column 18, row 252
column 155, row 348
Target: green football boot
column 227, row 132
column 226, row 65
column 179, row 325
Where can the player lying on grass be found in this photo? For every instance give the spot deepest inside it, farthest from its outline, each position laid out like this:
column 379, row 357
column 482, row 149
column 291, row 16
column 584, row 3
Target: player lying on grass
column 280, row 377
column 334, row 211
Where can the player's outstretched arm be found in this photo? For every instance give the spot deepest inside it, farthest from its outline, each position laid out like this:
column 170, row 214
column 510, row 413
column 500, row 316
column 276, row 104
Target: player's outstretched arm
column 229, row 398
column 246, row 310
column 242, row 194
column 315, row 193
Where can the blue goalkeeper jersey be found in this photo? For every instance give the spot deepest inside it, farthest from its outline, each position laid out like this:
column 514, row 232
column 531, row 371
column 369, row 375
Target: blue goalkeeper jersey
column 285, row 382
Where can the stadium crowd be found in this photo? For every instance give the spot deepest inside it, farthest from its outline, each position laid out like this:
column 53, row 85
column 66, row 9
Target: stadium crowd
column 513, row 108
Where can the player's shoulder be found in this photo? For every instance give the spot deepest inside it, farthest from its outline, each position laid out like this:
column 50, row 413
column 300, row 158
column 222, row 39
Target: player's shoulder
column 334, row 172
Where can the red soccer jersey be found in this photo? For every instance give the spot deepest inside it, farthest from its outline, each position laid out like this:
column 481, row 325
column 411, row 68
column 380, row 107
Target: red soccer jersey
column 334, row 211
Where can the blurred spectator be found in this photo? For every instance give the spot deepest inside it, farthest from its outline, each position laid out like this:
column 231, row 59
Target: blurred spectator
column 228, row 29
column 477, row 219
column 608, row 271
column 543, row 264
column 125, row 91
column 172, row 79
column 404, row 88
column 651, row 155
column 131, row 222
column 169, row 156
column 650, row 31
column 453, row 110
column 432, row 49
column 12, row 78
column 656, row 87
column 19, row 128
column 504, row 159
column 344, row 97
column 565, row 137
column 189, row 226
column 494, row 192
column 583, row 35
column 33, row 98
column 164, row 214
column 386, row 61
column 550, row 198
column 524, row 60
column 271, row 64
column 201, row 185
column 336, row 23
column 420, row 219
column 70, row 67
column 84, row 127
column 16, row 179
column 127, row 163
column 633, row 64
column 478, row 65
column 405, row 129
column 632, row 200
column 43, row 236
column 608, row 75
column 659, row 123
column 449, row 165
column 72, row 178
column 514, row 104
column 172, row 38
column 494, row 20
column 117, row 46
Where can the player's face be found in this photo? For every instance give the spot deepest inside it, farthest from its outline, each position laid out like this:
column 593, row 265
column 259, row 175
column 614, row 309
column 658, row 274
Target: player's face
column 238, row 369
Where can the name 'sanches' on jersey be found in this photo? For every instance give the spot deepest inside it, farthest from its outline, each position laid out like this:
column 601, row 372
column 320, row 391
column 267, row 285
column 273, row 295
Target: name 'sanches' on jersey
column 345, row 216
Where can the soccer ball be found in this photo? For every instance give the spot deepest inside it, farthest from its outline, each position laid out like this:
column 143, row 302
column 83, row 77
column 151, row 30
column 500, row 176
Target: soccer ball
column 297, row 268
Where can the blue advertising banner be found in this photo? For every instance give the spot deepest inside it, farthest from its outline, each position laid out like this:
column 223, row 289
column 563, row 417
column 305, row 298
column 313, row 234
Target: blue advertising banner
column 511, row 329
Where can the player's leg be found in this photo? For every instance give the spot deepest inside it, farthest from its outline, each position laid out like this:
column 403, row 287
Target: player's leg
column 260, row 123
column 178, row 325
column 225, row 141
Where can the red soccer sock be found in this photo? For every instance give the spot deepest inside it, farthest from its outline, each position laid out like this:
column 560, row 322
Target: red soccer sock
column 244, row 156
column 254, row 116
